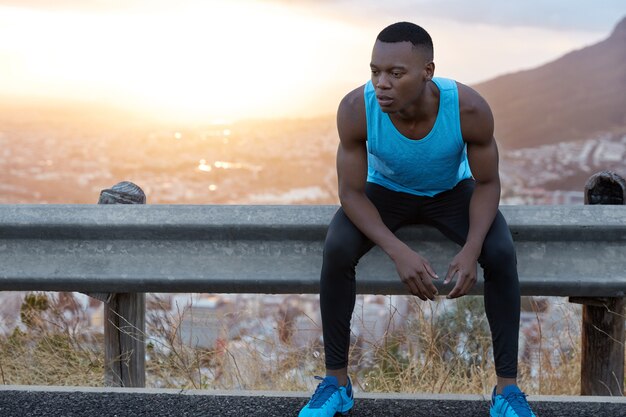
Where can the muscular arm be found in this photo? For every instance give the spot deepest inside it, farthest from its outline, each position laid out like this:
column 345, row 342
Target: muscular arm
column 477, row 128
column 352, row 175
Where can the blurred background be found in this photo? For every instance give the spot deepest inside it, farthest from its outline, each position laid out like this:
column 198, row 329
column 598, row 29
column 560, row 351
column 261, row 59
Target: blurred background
column 229, row 102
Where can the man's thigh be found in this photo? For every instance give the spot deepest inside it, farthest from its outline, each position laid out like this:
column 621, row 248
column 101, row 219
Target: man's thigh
column 395, row 208
column 449, row 211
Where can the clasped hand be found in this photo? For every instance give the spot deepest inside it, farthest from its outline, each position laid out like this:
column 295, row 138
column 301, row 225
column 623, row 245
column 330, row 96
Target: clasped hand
column 417, row 274
column 463, row 265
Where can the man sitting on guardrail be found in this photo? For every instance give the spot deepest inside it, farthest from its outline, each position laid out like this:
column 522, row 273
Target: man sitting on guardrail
column 416, row 149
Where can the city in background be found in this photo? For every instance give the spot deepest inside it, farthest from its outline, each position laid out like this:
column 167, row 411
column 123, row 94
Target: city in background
column 248, row 135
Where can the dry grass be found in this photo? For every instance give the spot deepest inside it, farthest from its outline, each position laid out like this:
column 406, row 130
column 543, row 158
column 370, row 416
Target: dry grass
column 445, row 349
column 51, row 350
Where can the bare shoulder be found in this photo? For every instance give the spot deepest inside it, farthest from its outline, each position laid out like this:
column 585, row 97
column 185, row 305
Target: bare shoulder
column 477, row 122
column 351, row 117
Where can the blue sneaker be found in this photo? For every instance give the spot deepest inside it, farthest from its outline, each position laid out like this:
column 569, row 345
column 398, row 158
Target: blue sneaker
column 511, row 403
column 329, row 399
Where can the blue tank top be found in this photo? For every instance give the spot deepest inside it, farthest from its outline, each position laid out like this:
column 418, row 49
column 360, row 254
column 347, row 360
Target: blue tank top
column 423, row 167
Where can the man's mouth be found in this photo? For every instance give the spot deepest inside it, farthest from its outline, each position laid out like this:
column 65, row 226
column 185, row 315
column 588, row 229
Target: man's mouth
column 384, row 101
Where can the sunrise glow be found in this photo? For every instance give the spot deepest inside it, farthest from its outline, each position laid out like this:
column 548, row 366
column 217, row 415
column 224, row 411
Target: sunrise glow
column 224, row 60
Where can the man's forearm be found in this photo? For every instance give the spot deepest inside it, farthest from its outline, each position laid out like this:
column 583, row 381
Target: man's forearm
column 362, row 212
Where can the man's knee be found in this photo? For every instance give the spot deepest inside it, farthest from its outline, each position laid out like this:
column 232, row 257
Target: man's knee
column 339, row 252
column 498, row 255
column 343, row 242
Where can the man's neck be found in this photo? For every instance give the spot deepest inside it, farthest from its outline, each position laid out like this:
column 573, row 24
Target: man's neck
column 423, row 109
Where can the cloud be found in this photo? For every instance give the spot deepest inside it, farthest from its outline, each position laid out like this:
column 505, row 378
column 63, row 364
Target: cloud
column 96, row 6
column 554, row 14
column 565, row 15
column 568, row 15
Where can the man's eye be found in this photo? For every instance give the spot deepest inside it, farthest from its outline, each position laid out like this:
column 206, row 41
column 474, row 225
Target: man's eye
column 374, row 72
column 397, row 74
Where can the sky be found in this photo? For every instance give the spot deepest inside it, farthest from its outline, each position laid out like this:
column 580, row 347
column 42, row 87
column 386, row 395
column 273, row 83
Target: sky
column 204, row 60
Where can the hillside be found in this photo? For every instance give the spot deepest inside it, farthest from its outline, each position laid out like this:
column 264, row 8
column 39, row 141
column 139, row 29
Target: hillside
column 577, row 96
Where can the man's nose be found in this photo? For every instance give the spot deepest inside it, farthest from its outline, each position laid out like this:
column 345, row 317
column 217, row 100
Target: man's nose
column 383, row 82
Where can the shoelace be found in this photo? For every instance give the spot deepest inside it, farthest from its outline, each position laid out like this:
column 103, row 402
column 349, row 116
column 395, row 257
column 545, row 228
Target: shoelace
column 322, row 393
column 517, row 401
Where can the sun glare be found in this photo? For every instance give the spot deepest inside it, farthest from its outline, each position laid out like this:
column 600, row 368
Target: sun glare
column 208, row 60
column 205, row 60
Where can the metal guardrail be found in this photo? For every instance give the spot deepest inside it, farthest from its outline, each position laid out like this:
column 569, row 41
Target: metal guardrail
column 128, row 250
column 562, row 250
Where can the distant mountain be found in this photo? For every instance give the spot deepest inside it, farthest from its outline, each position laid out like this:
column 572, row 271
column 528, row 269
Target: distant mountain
column 578, row 96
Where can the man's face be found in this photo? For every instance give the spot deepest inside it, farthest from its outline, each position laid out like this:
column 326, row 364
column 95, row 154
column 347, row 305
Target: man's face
column 399, row 74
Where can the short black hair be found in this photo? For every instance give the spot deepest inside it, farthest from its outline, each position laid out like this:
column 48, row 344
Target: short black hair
column 408, row 32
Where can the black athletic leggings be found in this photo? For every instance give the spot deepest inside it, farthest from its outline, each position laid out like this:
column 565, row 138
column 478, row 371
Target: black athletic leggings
column 449, row 213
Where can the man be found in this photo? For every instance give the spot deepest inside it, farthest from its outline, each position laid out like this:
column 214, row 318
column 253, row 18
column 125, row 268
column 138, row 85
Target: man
column 417, row 150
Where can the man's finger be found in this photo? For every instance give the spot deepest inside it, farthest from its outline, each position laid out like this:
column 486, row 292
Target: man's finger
column 426, row 285
column 430, row 286
column 422, row 287
column 430, row 270
column 451, row 272
column 456, row 291
column 469, row 283
column 414, row 289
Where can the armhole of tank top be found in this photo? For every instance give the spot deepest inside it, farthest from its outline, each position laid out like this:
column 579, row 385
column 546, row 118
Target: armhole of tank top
column 457, row 113
column 368, row 117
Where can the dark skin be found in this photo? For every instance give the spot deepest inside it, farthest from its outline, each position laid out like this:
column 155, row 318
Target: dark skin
column 401, row 75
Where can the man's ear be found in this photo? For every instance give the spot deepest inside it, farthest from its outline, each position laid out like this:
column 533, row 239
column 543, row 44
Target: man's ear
column 429, row 71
